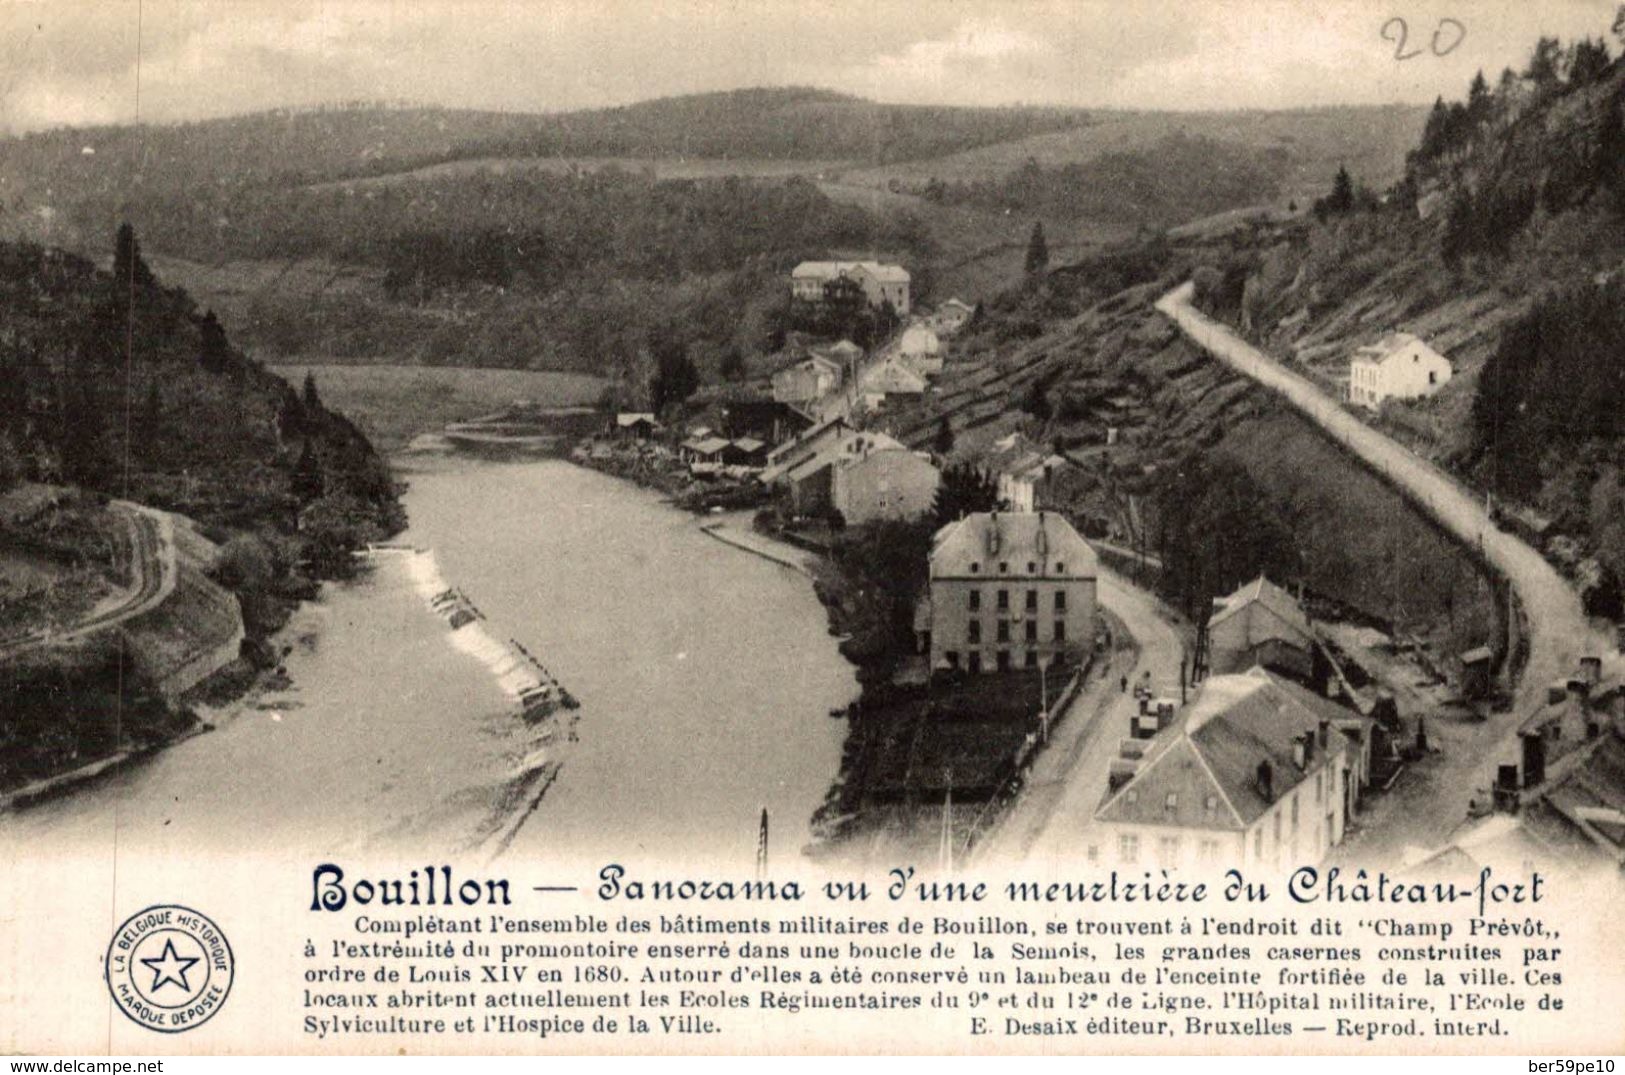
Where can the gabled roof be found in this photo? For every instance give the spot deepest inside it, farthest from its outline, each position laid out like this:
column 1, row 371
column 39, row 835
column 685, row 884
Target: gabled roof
column 1022, row 537
column 1390, row 346
column 1209, row 757
column 749, row 444
column 814, row 360
column 1264, row 592
column 891, row 274
column 628, row 418
column 895, row 373
column 856, row 443
column 890, row 456
column 958, row 304
column 707, row 445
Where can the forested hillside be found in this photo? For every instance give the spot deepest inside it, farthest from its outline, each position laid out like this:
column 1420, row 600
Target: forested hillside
column 1503, row 246
column 119, row 385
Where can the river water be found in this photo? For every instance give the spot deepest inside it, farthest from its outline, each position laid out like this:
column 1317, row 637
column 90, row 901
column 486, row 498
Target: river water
column 704, row 674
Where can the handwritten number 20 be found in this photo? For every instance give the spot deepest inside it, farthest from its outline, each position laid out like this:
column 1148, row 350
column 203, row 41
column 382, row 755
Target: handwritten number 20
column 1449, row 34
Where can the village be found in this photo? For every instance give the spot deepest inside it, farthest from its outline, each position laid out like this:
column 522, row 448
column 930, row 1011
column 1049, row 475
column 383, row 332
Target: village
column 1272, row 732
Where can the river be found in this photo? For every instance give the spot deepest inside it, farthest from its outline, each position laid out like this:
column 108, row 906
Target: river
column 704, row 675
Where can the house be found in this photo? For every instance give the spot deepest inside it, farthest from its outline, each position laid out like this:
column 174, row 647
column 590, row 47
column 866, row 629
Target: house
column 809, row 477
column 703, row 451
column 1253, row 773
column 921, row 349
column 879, row 481
column 1260, row 624
column 1020, row 469
column 951, row 316
column 1399, row 366
column 763, row 419
column 793, row 451
column 745, row 452
column 889, row 377
column 844, row 353
column 1009, row 590
column 638, row 425
column 881, row 283
column 1577, row 710
column 806, row 381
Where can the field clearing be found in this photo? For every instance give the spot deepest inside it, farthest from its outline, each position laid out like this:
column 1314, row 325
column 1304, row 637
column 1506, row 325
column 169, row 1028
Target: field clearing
column 659, row 167
column 393, row 404
column 246, row 280
column 1371, row 140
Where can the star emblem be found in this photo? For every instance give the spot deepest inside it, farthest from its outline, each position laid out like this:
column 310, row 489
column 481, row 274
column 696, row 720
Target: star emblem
column 169, row 967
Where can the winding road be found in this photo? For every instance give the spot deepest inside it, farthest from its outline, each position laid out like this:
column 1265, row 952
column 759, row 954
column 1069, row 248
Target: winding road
column 1559, row 633
column 152, row 570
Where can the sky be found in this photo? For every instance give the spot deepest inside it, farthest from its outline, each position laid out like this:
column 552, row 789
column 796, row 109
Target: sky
column 72, row 62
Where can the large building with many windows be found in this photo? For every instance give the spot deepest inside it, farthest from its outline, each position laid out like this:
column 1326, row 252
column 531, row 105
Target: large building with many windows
column 1255, row 772
column 881, row 283
column 1008, row 591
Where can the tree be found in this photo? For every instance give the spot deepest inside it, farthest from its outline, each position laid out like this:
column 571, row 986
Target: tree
column 85, row 459
column 213, row 350
column 1341, row 199
column 152, row 416
column 13, row 464
column 964, row 490
column 676, row 377
column 129, row 268
column 1037, row 250
column 309, row 481
column 1036, row 402
column 14, row 394
column 1545, row 64
column 732, row 367
column 1588, row 62
column 312, row 400
column 1619, row 24
column 943, row 442
column 1480, row 101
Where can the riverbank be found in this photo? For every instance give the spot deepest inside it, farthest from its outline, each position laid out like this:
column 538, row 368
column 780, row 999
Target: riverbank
column 654, row 466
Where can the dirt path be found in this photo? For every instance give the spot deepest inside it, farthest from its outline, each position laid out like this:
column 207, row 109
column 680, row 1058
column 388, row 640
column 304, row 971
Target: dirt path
column 1558, row 630
column 152, row 567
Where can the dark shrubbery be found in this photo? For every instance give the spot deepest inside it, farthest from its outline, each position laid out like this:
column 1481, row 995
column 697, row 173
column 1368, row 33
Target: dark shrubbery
column 1555, row 382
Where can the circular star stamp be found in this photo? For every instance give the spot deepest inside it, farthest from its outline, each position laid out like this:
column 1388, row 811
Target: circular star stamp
column 169, row 968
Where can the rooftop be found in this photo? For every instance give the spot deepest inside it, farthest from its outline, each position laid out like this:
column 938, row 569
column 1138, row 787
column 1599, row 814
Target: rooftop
column 895, row 274
column 978, row 542
column 1263, row 592
column 1202, row 771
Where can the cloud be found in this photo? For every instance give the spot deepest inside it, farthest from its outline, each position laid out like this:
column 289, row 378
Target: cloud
column 74, row 61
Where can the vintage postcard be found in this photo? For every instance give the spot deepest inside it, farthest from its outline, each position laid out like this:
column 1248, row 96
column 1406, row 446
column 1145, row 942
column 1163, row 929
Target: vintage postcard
column 759, row 527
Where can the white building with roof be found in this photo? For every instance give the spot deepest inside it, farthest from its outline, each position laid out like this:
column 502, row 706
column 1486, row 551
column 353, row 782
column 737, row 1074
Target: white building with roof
column 1009, row 591
column 810, row 379
column 1398, row 366
column 920, row 347
column 1260, row 624
column 951, row 316
column 1019, row 467
column 1255, row 773
column 881, row 282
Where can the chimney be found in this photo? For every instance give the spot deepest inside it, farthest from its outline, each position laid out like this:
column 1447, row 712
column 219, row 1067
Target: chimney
column 993, row 534
column 1325, row 734
column 1266, row 781
column 1300, row 753
column 1591, row 670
